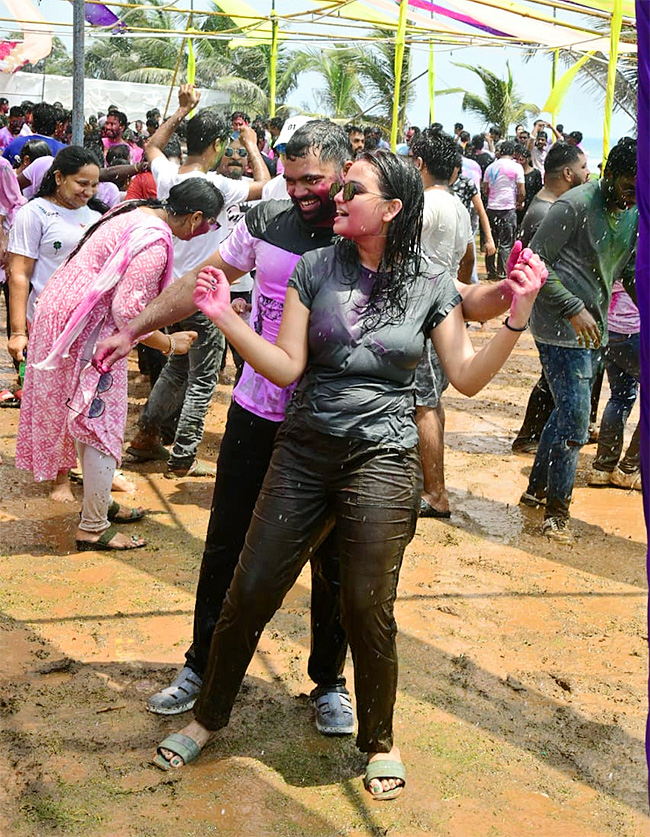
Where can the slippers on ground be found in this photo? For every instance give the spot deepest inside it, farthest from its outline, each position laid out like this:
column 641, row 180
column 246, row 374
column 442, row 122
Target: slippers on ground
column 9, row 398
column 196, row 469
column 385, row 769
column 104, row 542
column 115, row 517
column 180, row 745
column 148, row 454
column 427, row 510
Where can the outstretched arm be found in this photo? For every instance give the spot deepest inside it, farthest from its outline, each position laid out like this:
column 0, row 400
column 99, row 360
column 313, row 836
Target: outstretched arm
column 188, row 99
column 282, row 362
column 174, row 303
column 470, row 371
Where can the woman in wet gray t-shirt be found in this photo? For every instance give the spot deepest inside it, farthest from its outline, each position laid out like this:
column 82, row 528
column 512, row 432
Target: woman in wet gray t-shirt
column 355, row 321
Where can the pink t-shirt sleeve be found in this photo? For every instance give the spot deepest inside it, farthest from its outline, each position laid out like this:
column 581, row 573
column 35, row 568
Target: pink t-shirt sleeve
column 238, row 249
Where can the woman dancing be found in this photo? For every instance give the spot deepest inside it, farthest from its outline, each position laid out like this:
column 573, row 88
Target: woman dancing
column 355, row 321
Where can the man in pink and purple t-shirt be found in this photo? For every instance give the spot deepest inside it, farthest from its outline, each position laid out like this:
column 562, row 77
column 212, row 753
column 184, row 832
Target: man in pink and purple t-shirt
column 504, row 184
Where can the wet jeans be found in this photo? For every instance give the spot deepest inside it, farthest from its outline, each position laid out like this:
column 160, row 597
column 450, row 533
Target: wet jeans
column 185, row 387
column 372, row 494
column 244, row 456
column 503, row 223
column 570, row 374
column 622, row 367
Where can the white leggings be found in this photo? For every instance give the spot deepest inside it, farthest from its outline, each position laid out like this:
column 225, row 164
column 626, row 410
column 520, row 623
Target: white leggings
column 98, row 469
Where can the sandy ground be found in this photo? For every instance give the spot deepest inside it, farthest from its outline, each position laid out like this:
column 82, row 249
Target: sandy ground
column 522, row 692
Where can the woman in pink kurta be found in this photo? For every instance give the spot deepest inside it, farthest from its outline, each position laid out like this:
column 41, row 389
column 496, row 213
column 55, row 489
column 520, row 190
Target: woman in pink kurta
column 68, row 409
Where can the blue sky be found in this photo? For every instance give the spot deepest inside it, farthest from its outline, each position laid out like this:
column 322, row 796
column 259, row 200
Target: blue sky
column 581, row 111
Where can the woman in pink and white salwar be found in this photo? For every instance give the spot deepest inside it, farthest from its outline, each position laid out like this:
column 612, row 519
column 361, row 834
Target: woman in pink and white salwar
column 68, row 407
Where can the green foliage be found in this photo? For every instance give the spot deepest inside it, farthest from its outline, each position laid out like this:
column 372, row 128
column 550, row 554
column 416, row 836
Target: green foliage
column 342, row 86
column 376, row 67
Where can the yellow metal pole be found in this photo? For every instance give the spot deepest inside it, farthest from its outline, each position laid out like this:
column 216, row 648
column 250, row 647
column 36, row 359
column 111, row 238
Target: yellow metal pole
column 273, row 69
column 614, row 35
column 399, row 65
column 432, row 83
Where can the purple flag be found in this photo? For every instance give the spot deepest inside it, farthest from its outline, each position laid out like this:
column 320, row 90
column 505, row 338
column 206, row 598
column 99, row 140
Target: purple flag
column 98, row 15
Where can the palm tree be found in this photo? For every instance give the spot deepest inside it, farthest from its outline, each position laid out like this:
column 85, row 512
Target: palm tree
column 242, row 72
column 342, row 86
column 376, row 67
column 500, row 105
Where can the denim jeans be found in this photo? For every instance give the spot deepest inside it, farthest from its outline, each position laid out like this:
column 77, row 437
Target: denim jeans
column 540, row 406
column 503, row 223
column 570, row 374
column 244, row 456
column 315, row 481
column 623, row 371
column 185, row 388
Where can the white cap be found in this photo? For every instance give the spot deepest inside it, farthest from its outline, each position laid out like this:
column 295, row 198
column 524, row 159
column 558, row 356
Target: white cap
column 290, row 127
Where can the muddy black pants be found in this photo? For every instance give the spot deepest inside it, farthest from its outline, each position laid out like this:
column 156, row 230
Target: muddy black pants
column 244, row 456
column 315, row 481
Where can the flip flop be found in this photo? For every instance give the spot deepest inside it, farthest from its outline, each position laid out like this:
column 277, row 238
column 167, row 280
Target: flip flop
column 385, row 769
column 104, row 542
column 148, row 454
column 9, row 398
column 427, row 510
column 114, row 510
column 196, row 469
column 180, row 745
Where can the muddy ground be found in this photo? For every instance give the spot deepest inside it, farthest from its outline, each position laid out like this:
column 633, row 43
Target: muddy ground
column 523, row 664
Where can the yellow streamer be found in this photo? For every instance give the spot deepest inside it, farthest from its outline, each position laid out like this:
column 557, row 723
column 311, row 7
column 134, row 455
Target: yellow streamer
column 615, row 33
column 561, row 87
column 400, row 38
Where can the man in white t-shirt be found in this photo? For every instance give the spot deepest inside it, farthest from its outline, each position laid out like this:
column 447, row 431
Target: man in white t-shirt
column 505, row 187
column 182, row 394
column 447, row 240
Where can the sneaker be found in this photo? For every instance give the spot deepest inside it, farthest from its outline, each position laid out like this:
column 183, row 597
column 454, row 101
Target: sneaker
column 623, row 480
column 179, row 697
column 531, row 500
column 557, row 529
column 334, row 715
column 596, row 477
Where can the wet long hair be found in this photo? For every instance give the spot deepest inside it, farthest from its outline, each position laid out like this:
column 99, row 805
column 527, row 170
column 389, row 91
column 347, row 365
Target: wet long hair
column 402, row 258
column 194, row 194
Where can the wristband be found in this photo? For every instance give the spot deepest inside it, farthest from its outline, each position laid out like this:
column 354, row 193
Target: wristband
column 172, row 346
column 506, row 323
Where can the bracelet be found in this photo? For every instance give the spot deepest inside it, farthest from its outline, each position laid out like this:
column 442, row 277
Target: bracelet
column 506, row 323
column 172, row 346
column 18, row 334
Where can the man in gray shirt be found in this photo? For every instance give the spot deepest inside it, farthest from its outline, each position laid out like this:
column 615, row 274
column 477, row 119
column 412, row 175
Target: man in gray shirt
column 565, row 167
column 587, row 241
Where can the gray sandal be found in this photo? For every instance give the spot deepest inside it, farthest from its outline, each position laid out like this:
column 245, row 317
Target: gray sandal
column 179, row 697
column 180, row 745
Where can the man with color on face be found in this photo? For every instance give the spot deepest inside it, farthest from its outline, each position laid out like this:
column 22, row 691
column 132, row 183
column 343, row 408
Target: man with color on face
column 587, row 240
column 271, row 238
column 114, row 127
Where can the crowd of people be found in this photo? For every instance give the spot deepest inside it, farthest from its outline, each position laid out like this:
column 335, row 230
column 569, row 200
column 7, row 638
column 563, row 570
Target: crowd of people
column 341, row 275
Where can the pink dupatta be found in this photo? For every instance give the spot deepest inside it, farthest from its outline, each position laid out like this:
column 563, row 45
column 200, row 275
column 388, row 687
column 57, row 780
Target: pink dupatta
column 134, row 239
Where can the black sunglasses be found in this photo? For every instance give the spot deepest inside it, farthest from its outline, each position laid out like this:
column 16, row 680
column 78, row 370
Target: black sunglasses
column 350, row 189
column 230, row 152
column 97, row 405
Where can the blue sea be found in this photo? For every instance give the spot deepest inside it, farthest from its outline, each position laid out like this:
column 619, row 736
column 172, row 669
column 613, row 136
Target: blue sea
column 593, row 147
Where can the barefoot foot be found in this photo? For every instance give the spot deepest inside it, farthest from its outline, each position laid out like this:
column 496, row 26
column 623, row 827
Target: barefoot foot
column 61, row 491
